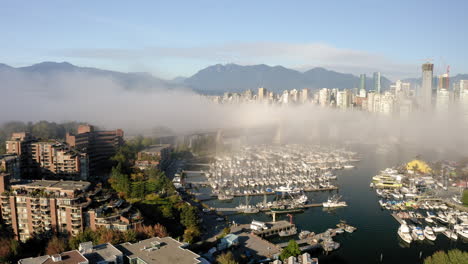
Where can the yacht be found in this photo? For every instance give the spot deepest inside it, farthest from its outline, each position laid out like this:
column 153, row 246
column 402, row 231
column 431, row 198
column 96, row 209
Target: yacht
column 334, row 202
column 225, row 197
column 290, row 232
column 418, row 233
column 429, row 220
column 439, row 229
column 450, row 234
column 348, row 166
column 404, row 233
column 463, row 232
column 429, row 233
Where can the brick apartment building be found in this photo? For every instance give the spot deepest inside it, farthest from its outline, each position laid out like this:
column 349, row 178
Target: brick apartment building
column 51, row 159
column 35, row 207
column 99, row 145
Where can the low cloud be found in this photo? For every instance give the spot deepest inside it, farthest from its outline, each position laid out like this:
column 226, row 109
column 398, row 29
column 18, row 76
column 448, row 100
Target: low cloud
column 103, row 102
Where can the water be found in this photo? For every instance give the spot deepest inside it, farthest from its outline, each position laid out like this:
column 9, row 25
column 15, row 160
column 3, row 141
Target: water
column 377, row 230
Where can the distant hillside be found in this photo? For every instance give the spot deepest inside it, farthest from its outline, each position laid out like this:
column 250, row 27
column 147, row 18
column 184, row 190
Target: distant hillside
column 219, row 78
column 47, row 70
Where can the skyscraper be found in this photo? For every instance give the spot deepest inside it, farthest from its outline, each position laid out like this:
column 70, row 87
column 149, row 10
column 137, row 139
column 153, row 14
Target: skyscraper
column 262, row 92
column 426, row 87
column 362, row 84
column 377, row 82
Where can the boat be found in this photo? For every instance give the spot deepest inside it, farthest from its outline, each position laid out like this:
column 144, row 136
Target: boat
column 418, row 233
column 348, row 166
column 439, row 229
column 429, row 233
column 350, row 229
column 290, row 232
column 333, row 202
column 429, row 220
column 463, row 232
column 225, row 197
column 283, row 209
column 450, row 234
column 404, row 233
column 304, row 234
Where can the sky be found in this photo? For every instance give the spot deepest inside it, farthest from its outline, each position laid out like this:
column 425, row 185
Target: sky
column 178, row 38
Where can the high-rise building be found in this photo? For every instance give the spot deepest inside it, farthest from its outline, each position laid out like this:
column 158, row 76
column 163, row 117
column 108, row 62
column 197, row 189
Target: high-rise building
column 443, row 82
column 463, row 102
column 362, row 82
column 262, row 93
column 377, row 82
column 304, row 95
column 99, row 145
column 324, row 97
column 344, row 99
column 426, row 87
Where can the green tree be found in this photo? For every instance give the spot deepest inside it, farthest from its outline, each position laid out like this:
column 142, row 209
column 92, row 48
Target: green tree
column 292, row 249
column 454, row 256
column 189, row 216
column 85, row 236
column 191, row 234
column 226, row 258
column 465, row 197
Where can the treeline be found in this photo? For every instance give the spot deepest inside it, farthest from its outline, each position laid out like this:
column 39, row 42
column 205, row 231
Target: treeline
column 41, row 129
column 152, row 192
column 454, row 256
column 11, row 250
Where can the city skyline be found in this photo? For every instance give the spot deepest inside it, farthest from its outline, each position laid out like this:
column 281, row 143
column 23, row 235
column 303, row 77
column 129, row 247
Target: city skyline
column 168, row 41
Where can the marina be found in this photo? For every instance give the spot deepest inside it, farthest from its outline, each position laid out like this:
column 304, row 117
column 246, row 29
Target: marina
column 364, row 211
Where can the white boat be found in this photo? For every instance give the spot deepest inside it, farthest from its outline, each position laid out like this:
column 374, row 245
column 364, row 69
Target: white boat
column 418, row 233
column 404, row 233
column 439, row 229
column 463, row 232
column 333, row 202
column 429, row 220
column 429, row 233
column 348, row 166
column 450, row 234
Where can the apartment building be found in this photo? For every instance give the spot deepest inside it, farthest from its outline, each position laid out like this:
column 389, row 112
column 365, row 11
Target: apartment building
column 36, row 207
column 10, row 164
column 51, row 159
column 155, row 156
column 99, row 145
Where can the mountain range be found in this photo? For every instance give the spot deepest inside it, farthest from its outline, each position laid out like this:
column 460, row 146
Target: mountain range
column 215, row 79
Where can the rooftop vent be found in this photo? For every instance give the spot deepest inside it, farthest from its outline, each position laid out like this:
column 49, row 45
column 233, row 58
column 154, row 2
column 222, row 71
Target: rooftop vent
column 56, row 258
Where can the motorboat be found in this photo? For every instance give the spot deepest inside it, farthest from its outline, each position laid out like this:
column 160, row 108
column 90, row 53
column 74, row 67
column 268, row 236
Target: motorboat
column 333, row 202
column 417, row 232
column 404, row 233
column 450, row 234
column 429, row 220
column 439, row 229
column 429, row 233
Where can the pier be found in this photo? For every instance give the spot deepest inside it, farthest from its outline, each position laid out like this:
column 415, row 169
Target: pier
column 235, row 210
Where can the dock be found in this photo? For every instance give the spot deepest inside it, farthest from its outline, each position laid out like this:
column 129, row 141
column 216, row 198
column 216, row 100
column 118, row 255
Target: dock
column 235, row 210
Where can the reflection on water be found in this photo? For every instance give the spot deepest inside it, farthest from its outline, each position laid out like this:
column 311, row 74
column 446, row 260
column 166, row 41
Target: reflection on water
column 376, row 236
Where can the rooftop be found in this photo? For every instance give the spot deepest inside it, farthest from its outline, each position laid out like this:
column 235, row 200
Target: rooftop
column 58, row 185
column 69, row 257
column 104, row 252
column 159, row 250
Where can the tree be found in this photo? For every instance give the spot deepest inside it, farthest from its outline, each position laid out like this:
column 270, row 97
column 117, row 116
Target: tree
column 292, row 249
column 226, row 258
column 454, row 256
column 465, row 198
column 56, row 245
column 85, row 236
column 189, row 216
column 191, row 234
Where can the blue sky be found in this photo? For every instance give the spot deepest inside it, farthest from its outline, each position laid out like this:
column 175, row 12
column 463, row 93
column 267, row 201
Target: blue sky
column 174, row 38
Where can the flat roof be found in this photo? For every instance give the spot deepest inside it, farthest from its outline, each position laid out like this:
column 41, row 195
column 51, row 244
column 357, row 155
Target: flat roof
column 69, row 257
column 169, row 252
column 103, row 252
column 62, row 185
